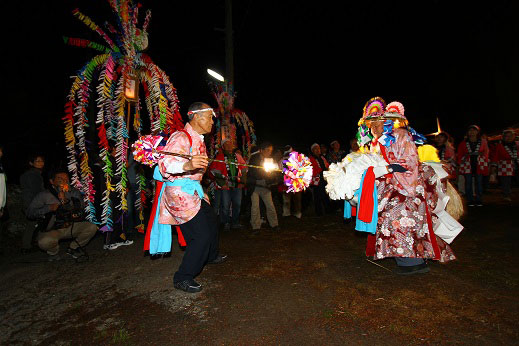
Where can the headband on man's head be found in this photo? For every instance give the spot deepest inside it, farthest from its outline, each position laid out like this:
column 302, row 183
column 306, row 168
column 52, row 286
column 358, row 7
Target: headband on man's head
column 201, row 110
column 475, row 127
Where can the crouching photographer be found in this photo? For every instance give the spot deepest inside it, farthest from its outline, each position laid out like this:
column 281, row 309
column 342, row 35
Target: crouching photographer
column 60, row 215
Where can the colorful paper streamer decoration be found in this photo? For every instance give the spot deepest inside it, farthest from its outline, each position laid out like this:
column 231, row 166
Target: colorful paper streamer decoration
column 297, row 172
column 104, row 80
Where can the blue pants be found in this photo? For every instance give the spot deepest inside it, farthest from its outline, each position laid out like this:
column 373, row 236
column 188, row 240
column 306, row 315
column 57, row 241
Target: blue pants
column 407, row 261
column 232, row 196
column 468, row 187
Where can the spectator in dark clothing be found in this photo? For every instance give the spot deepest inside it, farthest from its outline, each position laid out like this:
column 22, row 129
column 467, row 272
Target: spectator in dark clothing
column 31, row 182
column 324, row 149
column 318, row 184
column 60, row 214
column 260, row 181
column 336, row 154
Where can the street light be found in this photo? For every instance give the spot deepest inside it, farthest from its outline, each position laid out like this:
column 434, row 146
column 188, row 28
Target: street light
column 215, row 75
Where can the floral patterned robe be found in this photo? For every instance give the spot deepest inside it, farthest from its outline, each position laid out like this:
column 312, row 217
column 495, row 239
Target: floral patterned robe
column 176, row 206
column 405, row 218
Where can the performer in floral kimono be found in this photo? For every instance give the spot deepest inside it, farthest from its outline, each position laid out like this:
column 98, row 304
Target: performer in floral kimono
column 505, row 159
column 184, row 203
column 404, row 192
column 473, row 162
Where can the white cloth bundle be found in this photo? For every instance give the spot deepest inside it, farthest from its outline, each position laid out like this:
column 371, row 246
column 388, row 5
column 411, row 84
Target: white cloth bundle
column 445, row 226
column 344, row 178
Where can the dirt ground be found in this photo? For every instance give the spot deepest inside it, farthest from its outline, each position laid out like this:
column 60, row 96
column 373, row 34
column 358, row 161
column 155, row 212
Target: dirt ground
column 310, row 283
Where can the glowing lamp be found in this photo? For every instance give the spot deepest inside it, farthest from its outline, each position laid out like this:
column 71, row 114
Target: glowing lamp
column 269, row 165
column 131, row 88
column 215, row 75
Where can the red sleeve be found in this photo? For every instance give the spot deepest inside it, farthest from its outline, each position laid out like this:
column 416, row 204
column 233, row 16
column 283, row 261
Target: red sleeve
column 217, row 166
column 241, row 161
column 316, row 170
column 494, row 153
column 462, row 150
column 484, row 148
column 450, row 153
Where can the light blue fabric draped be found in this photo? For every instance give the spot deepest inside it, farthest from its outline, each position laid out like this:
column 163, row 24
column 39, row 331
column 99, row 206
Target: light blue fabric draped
column 362, row 226
column 160, row 236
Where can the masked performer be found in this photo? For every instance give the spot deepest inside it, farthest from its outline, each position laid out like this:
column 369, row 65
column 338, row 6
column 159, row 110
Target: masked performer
column 397, row 200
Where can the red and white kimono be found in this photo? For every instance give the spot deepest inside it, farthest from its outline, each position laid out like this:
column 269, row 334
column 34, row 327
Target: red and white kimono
column 176, row 206
column 405, row 204
column 465, row 152
column 505, row 158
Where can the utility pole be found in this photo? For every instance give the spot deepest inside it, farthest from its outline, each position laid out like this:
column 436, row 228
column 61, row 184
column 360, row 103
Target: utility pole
column 229, row 50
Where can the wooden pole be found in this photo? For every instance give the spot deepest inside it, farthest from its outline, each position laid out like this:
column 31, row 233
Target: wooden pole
column 229, row 49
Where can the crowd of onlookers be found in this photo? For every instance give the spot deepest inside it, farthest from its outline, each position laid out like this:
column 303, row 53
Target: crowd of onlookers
column 54, row 209
column 475, row 162
column 472, row 164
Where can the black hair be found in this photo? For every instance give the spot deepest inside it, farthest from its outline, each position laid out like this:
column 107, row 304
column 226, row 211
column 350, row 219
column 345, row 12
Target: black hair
column 54, row 172
column 265, row 145
column 32, row 157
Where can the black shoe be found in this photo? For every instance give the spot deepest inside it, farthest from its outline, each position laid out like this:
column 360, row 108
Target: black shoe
column 75, row 253
column 189, row 286
column 471, row 204
column 276, row 229
column 410, row 270
column 219, row 259
column 479, row 204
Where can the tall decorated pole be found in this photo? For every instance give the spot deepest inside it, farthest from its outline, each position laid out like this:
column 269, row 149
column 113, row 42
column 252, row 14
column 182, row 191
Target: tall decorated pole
column 112, row 79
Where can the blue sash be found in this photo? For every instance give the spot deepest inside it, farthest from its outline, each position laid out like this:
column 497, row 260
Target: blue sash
column 361, row 225
column 160, row 236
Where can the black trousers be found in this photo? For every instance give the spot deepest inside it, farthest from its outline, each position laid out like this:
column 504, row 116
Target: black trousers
column 321, row 201
column 201, row 235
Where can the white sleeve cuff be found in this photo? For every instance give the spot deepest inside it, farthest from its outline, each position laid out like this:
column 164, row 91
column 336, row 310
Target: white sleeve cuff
column 175, row 167
column 380, row 171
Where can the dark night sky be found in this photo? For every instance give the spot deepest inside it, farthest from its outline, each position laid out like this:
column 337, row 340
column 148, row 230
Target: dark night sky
column 302, row 71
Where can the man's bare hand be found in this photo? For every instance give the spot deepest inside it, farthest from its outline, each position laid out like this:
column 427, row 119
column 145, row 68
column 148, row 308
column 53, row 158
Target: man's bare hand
column 54, row 207
column 196, row 162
